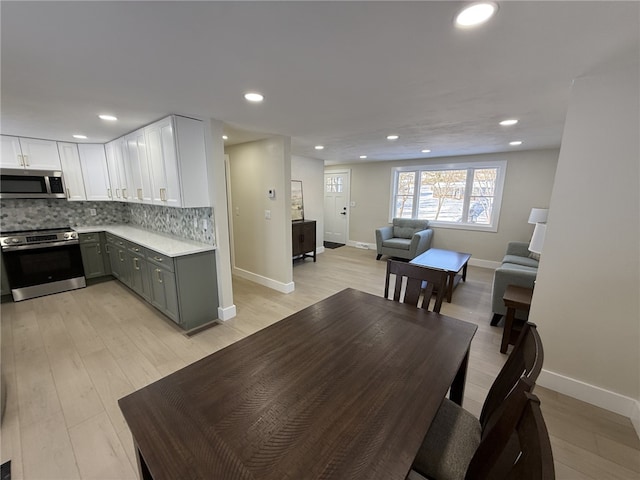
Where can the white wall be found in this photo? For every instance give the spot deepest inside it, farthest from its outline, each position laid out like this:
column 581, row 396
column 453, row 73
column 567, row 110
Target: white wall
column 586, row 300
column 262, row 247
column 528, row 183
column 311, row 172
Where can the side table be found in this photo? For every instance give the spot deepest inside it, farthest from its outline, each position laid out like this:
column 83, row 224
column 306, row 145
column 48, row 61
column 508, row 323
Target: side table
column 514, row 298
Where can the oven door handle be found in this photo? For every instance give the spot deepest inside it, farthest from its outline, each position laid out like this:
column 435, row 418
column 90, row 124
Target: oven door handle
column 13, row 248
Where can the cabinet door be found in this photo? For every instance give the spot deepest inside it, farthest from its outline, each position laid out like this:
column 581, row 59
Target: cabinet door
column 164, row 295
column 11, row 155
column 140, row 276
column 163, row 163
column 112, row 255
column 94, row 171
column 112, row 168
column 92, row 260
column 123, row 266
column 71, row 171
column 309, row 236
column 141, row 181
column 40, row 154
column 5, row 289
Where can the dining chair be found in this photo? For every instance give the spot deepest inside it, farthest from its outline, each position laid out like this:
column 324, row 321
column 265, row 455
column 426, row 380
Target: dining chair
column 419, row 282
column 455, row 433
column 515, row 447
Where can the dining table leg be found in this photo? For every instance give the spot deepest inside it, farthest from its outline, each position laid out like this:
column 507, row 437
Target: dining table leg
column 456, row 393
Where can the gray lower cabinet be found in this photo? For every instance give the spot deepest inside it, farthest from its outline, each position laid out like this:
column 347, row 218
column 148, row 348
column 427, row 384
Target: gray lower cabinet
column 183, row 288
column 4, row 280
column 94, row 255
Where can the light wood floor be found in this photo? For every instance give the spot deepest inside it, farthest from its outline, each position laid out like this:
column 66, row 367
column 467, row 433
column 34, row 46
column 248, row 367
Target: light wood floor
column 69, row 357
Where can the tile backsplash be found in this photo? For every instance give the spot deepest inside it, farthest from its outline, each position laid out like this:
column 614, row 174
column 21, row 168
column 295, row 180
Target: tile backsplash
column 30, row 214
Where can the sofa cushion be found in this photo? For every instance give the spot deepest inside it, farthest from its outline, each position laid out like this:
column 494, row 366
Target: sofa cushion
column 517, row 260
column 406, row 227
column 400, row 243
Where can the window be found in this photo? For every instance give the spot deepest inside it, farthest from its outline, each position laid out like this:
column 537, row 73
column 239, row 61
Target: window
column 455, row 195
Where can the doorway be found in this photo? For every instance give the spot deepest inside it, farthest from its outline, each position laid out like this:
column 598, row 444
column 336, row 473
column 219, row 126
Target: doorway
column 336, row 206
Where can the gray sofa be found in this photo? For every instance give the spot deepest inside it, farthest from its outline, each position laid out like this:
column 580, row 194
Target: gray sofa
column 404, row 238
column 517, row 269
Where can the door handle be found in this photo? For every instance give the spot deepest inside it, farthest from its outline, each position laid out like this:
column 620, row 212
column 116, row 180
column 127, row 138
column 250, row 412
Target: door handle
column 343, row 213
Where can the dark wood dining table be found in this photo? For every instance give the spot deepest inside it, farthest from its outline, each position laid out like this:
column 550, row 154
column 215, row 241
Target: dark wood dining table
column 343, row 389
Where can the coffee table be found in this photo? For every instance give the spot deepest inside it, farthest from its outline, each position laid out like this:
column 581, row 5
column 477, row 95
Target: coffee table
column 455, row 263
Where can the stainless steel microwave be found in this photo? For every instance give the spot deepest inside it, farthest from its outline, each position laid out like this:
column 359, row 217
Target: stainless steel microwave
column 20, row 183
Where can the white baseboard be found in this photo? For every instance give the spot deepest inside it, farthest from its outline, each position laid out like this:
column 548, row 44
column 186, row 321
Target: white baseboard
column 478, row 262
column 226, row 313
column 267, row 282
column 319, row 250
column 614, row 402
column 363, row 245
column 635, row 417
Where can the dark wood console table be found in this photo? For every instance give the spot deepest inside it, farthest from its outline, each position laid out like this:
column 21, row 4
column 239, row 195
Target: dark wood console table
column 514, row 298
column 303, row 239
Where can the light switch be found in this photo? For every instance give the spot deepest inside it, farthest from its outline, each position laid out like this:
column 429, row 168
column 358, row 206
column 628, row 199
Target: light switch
column 352, row 204
column 267, row 214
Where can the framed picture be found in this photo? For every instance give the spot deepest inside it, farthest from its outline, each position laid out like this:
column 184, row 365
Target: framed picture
column 297, row 205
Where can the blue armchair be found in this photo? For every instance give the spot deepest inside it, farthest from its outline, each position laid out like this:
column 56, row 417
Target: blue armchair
column 404, row 238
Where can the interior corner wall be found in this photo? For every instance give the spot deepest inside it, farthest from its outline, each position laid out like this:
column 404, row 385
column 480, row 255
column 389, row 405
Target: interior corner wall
column 262, row 246
column 311, row 172
column 528, row 183
column 586, row 299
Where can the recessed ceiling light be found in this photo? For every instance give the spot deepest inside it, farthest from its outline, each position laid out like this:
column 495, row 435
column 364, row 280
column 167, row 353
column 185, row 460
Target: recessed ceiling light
column 109, row 118
column 426, row 150
column 363, row 156
column 507, row 123
column 392, row 137
column 80, row 137
column 476, row 13
column 515, row 143
column 253, row 97
column 224, row 137
column 319, row 147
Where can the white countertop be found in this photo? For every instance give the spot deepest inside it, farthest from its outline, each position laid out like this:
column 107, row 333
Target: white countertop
column 160, row 242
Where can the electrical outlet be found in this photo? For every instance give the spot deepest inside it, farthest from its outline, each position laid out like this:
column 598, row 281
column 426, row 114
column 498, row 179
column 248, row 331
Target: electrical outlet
column 92, row 212
column 267, row 214
column 195, row 223
column 205, row 225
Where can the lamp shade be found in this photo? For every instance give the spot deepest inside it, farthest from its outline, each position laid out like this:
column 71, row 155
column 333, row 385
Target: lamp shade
column 538, row 215
column 537, row 239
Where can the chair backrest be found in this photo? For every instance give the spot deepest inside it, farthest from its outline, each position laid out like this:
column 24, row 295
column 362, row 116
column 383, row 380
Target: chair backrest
column 525, row 360
column 517, row 446
column 419, row 280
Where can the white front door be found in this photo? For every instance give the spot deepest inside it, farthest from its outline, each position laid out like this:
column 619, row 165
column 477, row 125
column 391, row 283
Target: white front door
column 336, row 206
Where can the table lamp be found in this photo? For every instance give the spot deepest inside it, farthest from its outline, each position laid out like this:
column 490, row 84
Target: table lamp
column 537, row 239
column 538, row 215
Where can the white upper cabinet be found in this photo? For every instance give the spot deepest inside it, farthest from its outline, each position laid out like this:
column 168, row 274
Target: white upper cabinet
column 94, row 171
column 71, row 171
column 119, row 170
column 177, row 162
column 141, row 181
column 29, row 153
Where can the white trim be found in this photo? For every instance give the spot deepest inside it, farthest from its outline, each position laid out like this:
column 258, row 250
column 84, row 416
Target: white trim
column 267, row 282
column 614, row 402
column 335, row 171
column 226, row 313
column 363, row 245
column 635, row 417
column 501, row 165
column 319, row 250
column 479, row 262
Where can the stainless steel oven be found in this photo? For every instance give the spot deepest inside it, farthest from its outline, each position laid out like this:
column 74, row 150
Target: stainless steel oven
column 42, row 262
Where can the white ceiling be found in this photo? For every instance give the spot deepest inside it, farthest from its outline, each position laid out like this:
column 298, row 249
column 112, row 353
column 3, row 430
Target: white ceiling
column 341, row 74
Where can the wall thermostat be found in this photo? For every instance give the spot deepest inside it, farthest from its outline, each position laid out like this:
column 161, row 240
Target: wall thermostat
column 271, row 193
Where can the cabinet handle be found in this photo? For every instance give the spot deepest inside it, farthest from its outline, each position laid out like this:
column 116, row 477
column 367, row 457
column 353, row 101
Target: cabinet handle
column 163, row 194
column 159, row 273
column 120, row 255
column 68, row 193
column 99, row 250
column 106, row 249
column 118, row 192
column 124, row 193
column 21, row 160
column 135, row 263
column 157, row 259
column 139, row 194
column 26, row 160
column 136, row 249
column 109, row 193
